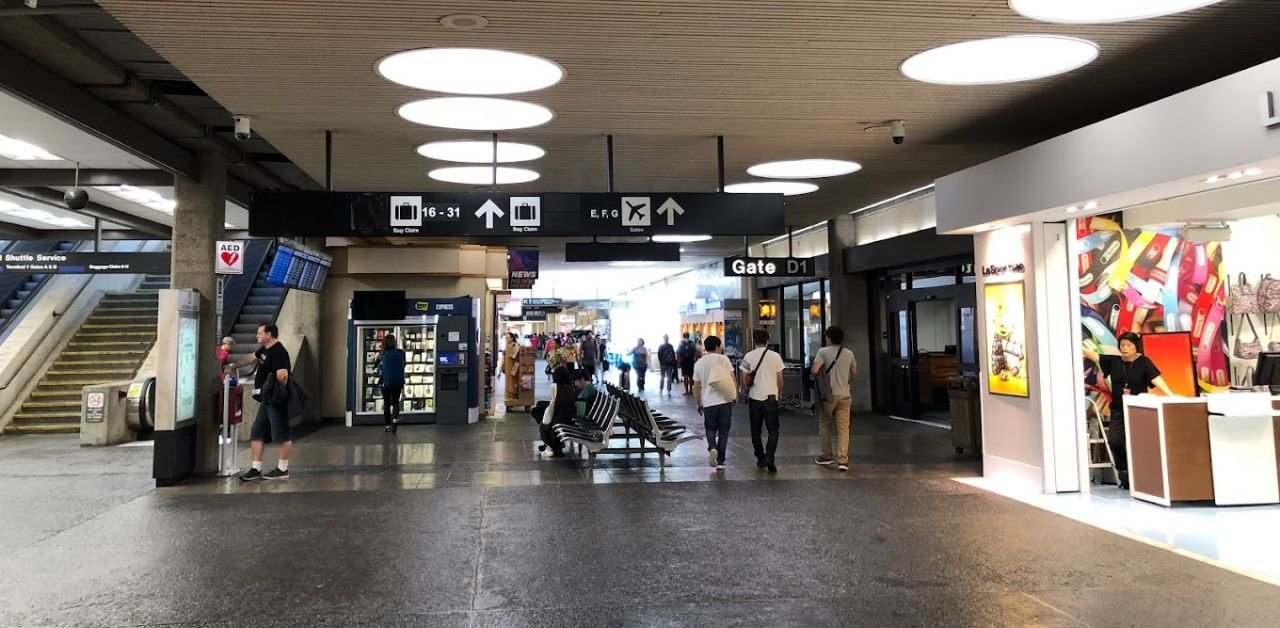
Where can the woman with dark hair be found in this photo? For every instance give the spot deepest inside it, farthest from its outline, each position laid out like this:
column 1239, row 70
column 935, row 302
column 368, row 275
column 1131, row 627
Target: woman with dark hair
column 1130, row 373
column 560, row 410
column 391, row 368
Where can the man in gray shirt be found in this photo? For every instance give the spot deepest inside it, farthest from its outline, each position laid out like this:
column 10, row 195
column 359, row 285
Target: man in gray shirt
column 837, row 366
column 589, row 354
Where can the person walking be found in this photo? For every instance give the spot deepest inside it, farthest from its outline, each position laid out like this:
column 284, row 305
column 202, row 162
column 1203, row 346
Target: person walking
column 666, row 365
column 511, row 370
column 391, row 371
column 640, row 362
column 686, row 356
column 762, row 380
column 589, row 353
column 833, row 369
column 271, row 425
column 714, row 392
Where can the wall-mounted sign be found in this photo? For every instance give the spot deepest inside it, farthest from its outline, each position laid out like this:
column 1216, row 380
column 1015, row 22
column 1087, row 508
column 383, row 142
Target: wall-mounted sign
column 596, row 305
column 229, row 257
column 522, row 268
column 437, row 214
column 1007, row 339
column 999, row 270
column 1270, row 113
column 85, row 263
column 438, row 307
column 769, row 267
column 540, row 302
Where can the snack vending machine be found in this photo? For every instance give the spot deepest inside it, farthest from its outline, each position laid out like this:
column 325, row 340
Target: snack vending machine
column 438, row 337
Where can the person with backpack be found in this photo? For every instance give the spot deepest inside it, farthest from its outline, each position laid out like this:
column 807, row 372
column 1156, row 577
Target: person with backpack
column 640, row 362
column 666, row 365
column 686, row 357
column 833, row 369
column 391, row 380
column 762, row 380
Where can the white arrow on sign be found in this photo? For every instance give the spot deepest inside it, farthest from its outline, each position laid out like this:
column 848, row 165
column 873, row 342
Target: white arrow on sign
column 488, row 211
column 671, row 208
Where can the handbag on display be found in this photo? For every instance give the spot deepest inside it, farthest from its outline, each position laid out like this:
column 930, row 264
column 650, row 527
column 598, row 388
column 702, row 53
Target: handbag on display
column 1248, row 350
column 1244, row 298
column 1268, row 297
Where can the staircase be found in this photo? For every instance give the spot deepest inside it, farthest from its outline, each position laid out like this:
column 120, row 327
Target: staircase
column 17, row 290
column 260, row 306
column 110, row 346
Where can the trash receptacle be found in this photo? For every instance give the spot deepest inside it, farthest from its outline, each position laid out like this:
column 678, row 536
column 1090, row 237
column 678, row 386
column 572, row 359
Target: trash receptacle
column 966, row 413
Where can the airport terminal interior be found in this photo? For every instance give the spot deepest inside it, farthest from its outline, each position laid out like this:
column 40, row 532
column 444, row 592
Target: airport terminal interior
column 640, row 313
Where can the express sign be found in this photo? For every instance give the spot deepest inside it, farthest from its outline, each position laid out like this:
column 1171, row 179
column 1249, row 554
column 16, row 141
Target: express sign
column 769, row 267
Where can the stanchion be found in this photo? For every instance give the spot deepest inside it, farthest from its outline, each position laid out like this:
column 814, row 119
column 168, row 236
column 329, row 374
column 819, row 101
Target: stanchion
column 228, row 435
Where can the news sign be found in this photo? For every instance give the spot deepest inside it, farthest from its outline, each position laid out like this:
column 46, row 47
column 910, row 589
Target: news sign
column 522, row 268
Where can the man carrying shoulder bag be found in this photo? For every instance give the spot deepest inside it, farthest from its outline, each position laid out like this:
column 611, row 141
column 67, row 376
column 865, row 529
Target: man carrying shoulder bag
column 833, row 369
column 762, row 385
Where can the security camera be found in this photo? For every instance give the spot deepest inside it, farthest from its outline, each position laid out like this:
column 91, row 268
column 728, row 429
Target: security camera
column 76, row 199
column 898, row 129
column 243, row 129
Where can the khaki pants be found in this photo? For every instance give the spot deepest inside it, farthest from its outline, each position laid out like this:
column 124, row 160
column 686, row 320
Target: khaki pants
column 837, row 411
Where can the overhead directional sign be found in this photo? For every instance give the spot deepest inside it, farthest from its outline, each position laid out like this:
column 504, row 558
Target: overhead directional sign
column 85, row 263
column 435, row 214
column 769, row 267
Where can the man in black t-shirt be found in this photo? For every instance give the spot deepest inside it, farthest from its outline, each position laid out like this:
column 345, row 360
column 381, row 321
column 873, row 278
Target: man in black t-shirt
column 272, row 422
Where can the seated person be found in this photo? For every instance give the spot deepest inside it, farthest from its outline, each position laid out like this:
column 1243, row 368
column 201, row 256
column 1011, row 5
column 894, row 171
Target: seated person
column 586, row 392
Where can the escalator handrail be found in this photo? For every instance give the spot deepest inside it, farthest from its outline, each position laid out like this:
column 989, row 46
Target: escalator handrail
column 48, row 323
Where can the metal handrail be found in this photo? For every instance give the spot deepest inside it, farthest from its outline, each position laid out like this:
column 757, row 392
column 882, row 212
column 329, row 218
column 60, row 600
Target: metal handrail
column 54, row 318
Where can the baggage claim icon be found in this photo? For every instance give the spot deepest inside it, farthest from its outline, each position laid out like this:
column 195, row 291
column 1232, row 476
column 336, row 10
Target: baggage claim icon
column 406, row 211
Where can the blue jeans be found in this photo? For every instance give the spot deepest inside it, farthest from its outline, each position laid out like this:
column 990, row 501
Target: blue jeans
column 717, row 420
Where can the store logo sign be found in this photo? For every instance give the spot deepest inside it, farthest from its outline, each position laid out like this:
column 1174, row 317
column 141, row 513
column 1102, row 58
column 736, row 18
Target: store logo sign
column 996, row 270
column 1270, row 115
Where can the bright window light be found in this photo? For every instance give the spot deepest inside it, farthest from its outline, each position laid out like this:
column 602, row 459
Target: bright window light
column 474, row 71
column 789, row 188
column 475, row 114
column 40, row 216
column 1000, row 60
column 480, row 152
column 19, row 150
column 804, row 169
column 681, row 238
column 481, row 175
column 141, row 196
column 1102, row 11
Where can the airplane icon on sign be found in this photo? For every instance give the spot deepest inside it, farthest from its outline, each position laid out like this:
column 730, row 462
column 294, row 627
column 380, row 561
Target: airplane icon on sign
column 637, row 210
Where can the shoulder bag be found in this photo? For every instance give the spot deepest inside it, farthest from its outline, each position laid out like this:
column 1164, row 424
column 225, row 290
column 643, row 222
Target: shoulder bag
column 1244, row 298
column 1248, row 349
column 823, row 383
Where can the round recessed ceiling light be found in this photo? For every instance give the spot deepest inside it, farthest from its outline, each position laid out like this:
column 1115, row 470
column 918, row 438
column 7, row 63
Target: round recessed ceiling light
column 681, row 238
column 1102, row 11
column 464, row 22
column 1000, row 60
column 804, row 169
column 482, row 175
column 479, row 152
column 476, row 71
column 475, row 114
column 788, row 188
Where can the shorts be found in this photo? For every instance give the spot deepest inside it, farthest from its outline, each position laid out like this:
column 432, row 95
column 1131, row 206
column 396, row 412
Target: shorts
column 686, row 370
column 271, row 425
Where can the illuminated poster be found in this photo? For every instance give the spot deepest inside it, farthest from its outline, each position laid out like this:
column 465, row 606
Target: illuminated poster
column 1006, row 339
column 188, row 336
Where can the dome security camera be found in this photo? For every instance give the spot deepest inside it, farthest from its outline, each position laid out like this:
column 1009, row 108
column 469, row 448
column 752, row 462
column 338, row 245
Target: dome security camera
column 76, row 199
column 244, row 128
column 898, row 129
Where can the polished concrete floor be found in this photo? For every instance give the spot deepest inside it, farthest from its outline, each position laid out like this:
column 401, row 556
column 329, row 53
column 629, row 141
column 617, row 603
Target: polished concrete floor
column 468, row 526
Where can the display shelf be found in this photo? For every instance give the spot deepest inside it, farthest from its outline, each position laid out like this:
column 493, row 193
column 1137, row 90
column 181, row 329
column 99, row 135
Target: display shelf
column 418, row 343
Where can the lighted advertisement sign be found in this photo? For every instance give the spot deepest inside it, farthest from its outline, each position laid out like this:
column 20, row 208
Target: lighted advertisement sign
column 188, row 337
column 1007, row 339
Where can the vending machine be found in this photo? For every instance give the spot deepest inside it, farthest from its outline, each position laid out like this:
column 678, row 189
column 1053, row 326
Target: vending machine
column 438, row 337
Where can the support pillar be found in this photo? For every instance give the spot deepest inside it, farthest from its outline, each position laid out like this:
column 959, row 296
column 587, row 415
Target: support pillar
column 198, row 222
column 850, row 310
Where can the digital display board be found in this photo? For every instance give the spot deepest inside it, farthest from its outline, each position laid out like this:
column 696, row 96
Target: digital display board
column 294, row 267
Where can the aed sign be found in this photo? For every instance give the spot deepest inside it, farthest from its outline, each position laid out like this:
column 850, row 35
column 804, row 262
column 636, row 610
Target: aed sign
column 229, row 257
column 769, row 267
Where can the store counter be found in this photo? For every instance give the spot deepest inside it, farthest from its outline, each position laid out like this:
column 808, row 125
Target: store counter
column 1172, row 443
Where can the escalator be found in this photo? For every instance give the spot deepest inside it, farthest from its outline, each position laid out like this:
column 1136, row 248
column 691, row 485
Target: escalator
column 17, row 290
column 249, row 301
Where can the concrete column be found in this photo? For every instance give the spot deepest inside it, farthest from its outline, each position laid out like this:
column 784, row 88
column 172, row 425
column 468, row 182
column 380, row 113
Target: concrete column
column 851, row 312
column 198, row 223
column 300, row 332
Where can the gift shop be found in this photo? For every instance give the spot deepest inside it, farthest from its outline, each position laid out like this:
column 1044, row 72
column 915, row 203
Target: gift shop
column 1129, row 318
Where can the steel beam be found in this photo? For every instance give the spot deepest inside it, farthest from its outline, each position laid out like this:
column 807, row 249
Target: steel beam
column 51, row 177
column 53, row 198
column 34, row 84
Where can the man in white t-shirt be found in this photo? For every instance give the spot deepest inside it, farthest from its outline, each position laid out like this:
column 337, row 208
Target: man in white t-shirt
column 714, row 391
column 837, row 365
column 761, row 373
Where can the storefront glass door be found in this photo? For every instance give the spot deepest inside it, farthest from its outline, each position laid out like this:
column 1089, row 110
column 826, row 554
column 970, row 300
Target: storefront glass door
column 901, row 329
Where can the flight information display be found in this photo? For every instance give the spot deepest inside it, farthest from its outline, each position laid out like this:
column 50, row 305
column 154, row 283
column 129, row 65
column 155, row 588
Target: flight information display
column 295, row 267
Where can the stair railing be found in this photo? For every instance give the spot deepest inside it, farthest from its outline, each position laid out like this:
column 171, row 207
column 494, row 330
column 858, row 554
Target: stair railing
column 48, row 323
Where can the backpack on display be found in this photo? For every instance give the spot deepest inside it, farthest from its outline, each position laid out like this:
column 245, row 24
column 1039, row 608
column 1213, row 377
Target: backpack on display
column 1268, row 297
column 1244, row 298
column 822, row 384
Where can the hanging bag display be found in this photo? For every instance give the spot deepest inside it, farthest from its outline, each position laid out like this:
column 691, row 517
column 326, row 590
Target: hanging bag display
column 1244, row 298
column 1268, row 297
column 1251, row 349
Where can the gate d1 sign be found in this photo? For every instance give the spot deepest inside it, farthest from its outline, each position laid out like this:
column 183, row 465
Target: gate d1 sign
column 229, row 257
column 769, row 267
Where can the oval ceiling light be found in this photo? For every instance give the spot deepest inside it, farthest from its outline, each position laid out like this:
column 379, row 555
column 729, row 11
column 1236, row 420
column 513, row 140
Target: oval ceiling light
column 473, row 71
column 482, row 175
column 681, row 238
column 1102, row 11
column 479, row 152
column 1000, row 60
column 475, row 114
column 804, row 169
column 788, row 188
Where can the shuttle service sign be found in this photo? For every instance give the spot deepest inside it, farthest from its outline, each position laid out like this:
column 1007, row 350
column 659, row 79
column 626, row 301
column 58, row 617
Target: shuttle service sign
column 769, row 267
column 440, row 214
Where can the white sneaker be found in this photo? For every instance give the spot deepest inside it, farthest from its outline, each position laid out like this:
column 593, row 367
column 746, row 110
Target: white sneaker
column 720, row 467
column 843, row 467
column 714, row 457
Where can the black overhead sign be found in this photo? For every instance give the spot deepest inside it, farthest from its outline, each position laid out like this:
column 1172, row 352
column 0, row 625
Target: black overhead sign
column 769, row 267
column 379, row 214
column 85, row 263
